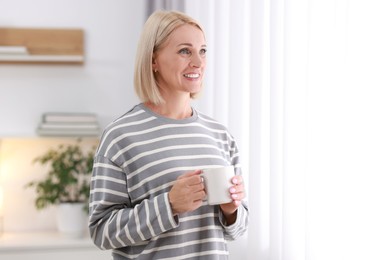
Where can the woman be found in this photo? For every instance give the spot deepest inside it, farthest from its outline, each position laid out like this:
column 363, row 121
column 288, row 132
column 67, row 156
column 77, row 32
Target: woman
column 146, row 193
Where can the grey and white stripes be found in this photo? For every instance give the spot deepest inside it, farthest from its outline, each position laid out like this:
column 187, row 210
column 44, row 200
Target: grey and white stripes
column 139, row 158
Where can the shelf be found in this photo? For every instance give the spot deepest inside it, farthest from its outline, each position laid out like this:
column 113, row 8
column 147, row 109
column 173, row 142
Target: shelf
column 41, row 240
column 48, row 246
column 28, row 45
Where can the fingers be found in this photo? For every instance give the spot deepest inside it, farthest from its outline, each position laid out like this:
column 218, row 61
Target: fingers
column 237, row 189
column 238, row 184
column 236, row 180
column 191, row 178
column 237, row 193
column 187, row 192
column 238, row 196
column 199, row 195
column 189, row 174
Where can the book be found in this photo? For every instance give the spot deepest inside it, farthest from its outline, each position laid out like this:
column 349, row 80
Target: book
column 68, row 132
column 69, row 117
column 74, row 126
column 68, row 124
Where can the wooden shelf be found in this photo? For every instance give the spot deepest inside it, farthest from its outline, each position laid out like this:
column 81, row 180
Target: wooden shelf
column 26, row 45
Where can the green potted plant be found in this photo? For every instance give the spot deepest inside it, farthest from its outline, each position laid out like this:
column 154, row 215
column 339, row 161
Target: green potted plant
column 66, row 184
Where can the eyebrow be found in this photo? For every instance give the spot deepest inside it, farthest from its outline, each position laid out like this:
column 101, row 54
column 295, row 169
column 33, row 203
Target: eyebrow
column 189, row 44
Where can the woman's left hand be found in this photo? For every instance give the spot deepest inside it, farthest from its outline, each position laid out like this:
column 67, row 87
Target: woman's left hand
column 237, row 193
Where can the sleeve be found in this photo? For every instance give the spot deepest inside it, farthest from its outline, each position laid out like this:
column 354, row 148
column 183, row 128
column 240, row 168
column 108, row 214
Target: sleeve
column 113, row 221
column 240, row 226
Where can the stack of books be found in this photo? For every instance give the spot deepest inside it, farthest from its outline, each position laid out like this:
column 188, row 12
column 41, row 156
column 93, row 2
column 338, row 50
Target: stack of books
column 69, row 124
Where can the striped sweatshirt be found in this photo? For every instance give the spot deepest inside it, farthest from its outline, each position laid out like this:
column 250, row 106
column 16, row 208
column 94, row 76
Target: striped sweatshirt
column 140, row 156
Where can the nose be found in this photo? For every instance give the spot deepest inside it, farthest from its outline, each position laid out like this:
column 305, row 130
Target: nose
column 196, row 61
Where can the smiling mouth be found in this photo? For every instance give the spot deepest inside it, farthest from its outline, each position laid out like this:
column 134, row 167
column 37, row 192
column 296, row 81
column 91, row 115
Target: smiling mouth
column 192, row 75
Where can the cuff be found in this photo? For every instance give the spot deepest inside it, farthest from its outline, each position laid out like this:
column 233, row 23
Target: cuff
column 222, row 219
column 172, row 220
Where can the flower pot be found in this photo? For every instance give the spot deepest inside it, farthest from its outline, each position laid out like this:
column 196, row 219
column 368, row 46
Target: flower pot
column 72, row 220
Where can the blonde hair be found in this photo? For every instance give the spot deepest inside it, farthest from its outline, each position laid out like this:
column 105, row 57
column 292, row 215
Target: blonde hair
column 156, row 31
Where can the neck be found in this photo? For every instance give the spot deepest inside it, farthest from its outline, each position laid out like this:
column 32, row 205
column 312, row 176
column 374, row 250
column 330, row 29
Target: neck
column 174, row 110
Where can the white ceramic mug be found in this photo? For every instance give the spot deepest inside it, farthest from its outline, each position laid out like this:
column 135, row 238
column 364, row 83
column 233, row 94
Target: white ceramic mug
column 217, row 183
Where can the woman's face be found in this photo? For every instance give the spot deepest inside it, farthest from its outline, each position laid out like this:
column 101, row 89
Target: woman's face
column 181, row 61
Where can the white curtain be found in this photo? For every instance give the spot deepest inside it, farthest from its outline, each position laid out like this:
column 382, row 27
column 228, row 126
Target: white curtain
column 153, row 5
column 329, row 138
column 303, row 85
column 348, row 170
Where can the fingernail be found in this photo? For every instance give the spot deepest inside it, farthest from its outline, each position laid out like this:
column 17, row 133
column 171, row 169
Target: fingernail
column 234, row 196
column 235, row 181
column 232, row 190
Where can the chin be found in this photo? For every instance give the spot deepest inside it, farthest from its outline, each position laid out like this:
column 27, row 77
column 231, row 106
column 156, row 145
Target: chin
column 196, row 94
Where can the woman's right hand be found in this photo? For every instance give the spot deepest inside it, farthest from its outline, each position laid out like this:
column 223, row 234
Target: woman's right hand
column 187, row 193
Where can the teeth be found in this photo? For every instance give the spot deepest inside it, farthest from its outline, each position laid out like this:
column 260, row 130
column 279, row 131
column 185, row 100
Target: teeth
column 193, row 76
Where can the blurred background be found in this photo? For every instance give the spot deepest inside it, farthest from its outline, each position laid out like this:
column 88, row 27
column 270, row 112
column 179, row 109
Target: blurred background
column 303, row 85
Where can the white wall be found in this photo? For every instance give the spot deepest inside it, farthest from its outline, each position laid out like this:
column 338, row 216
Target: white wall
column 103, row 85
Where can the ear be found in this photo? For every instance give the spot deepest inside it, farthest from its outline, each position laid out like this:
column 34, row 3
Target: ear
column 154, row 64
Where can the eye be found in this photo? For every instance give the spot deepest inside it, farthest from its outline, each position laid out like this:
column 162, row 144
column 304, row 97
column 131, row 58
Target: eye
column 185, row 51
column 202, row 52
